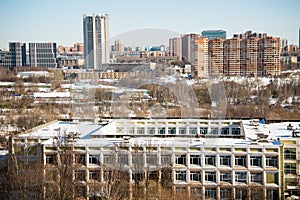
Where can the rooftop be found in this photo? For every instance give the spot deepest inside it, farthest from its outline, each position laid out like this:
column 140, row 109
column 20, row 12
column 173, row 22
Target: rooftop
column 105, row 133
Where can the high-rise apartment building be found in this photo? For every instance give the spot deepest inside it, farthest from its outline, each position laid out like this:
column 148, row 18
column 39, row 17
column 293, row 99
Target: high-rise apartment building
column 202, row 69
column 96, row 40
column 189, row 48
column 249, row 34
column 213, row 34
column 232, row 60
column 249, row 56
column 269, row 56
column 119, row 46
column 215, row 57
column 175, row 47
column 43, row 54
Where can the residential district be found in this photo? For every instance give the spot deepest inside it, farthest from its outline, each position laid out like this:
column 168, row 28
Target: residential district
column 203, row 117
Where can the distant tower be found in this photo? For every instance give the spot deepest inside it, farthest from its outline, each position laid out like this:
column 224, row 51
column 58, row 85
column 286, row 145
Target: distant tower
column 119, row 46
column 299, row 39
column 96, row 40
column 175, row 47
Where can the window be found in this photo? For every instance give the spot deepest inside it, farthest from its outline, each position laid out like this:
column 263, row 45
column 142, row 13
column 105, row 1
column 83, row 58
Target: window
column 162, row 130
column 123, row 159
column 141, row 130
column 241, row 177
column 210, row 176
column 51, row 175
column 51, row 159
column 138, row 159
column 272, row 178
column 210, row 193
column 256, row 178
column 166, row 159
column 255, row 161
column 257, row 193
column 225, row 131
column 225, row 193
column 151, row 159
column 80, row 191
column 214, row 131
column 80, row 175
column 210, row 160
column 195, row 160
column 94, row 159
column 196, row 192
column 182, row 130
column 180, row 175
column 151, row 130
column 272, row 161
column 236, row 131
column 109, row 159
column 272, row 195
column 291, row 181
column 180, row 159
column 195, row 176
column 130, row 130
column 241, row 193
column 80, row 159
column 152, row 175
column 203, row 130
column 290, row 153
column 225, row 177
column 137, row 177
column 172, row 130
column 225, row 160
column 193, row 130
column 94, row 175
column 290, row 168
column 240, row 160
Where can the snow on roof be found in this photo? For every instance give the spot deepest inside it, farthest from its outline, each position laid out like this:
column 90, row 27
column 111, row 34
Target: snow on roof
column 271, row 133
column 51, row 94
column 273, row 130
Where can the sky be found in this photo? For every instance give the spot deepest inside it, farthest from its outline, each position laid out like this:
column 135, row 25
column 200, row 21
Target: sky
column 61, row 20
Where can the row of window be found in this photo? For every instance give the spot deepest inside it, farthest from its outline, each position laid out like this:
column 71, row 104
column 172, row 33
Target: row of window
column 239, row 177
column 196, row 192
column 226, row 193
column 181, row 130
column 166, row 159
column 225, row 160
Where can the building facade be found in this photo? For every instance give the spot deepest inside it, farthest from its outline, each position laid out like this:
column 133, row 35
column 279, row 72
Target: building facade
column 232, row 59
column 96, row 41
column 249, row 57
column 16, row 56
column 119, row 46
column 203, row 69
column 175, row 47
column 194, row 158
column 216, row 57
column 189, row 48
column 43, row 55
column 269, row 56
column 18, row 53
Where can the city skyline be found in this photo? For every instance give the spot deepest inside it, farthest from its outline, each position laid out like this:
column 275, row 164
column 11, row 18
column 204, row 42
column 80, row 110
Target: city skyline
column 61, row 22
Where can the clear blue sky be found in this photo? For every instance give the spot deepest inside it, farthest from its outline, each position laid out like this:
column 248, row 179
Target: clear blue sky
column 61, row 20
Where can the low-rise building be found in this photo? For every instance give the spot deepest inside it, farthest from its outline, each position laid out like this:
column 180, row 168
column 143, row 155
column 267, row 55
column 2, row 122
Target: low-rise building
column 197, row 158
